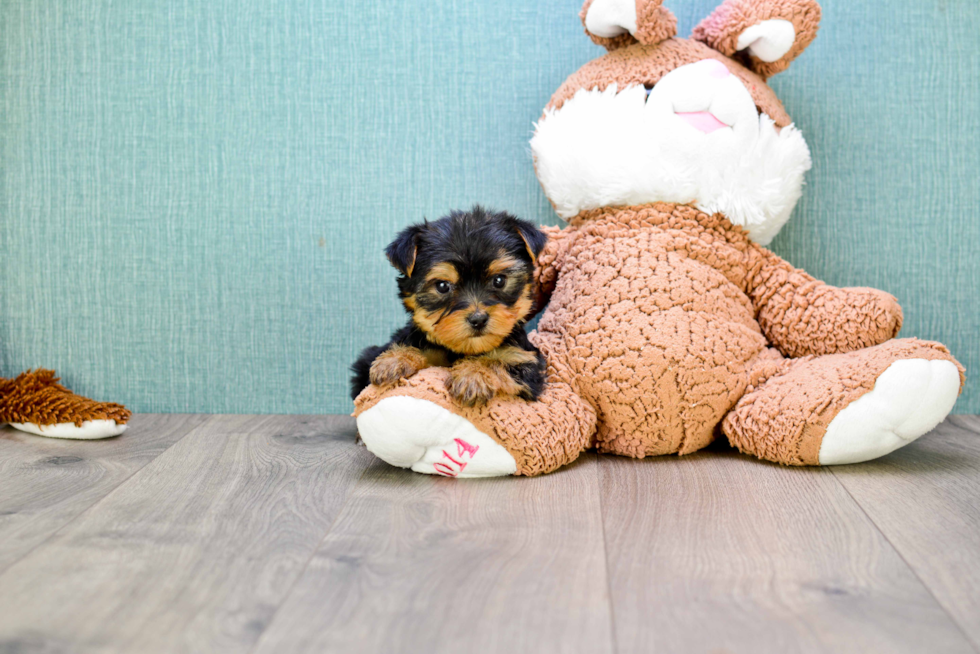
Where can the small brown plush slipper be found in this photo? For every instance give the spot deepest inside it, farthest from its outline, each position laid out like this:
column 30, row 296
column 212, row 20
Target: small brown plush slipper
column 36, row 403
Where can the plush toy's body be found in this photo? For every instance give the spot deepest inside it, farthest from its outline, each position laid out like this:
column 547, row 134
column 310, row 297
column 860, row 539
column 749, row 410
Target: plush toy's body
column 668, row 323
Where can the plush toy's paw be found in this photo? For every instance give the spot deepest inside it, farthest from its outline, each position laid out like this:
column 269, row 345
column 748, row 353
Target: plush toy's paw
column 396, row 364
column 909, row 399
column 411, row 433
column 89, row 430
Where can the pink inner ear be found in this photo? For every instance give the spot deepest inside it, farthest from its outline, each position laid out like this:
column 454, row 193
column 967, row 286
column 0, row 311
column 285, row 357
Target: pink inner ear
column 701, row 120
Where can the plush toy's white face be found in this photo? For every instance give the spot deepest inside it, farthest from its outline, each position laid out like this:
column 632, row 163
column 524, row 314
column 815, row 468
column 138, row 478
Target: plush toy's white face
column 696, row 137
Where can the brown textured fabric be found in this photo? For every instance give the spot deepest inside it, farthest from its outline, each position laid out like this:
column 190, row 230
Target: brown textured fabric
column 800, row 315
column 784, row 419
column 722, row 28
column 654, row 23
column 37, row 398
column 647, row 64
column 652, row 338
column 549, row 263
column 650, row 304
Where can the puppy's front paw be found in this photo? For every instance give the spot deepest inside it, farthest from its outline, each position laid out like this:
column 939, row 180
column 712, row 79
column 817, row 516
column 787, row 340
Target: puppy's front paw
column 397, row 363
column 472, row 383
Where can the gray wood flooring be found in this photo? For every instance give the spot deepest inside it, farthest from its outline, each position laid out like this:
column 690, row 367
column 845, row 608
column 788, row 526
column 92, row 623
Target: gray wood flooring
column 280, row 534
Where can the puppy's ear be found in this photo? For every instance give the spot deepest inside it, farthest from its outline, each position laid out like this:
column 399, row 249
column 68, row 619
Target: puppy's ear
column 401, row 252
column 534, row 239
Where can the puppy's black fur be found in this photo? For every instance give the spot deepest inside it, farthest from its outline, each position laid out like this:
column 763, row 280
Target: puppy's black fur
column 466, row 283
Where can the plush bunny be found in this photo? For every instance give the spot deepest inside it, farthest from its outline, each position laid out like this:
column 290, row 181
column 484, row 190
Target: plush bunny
column 669, row 323
column 35, row 402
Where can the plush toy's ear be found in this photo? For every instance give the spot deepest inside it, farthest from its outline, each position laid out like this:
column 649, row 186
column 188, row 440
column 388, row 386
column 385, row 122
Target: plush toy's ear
column 534, row 239
column 769, row 33
column 618, row 23
column 401, row 252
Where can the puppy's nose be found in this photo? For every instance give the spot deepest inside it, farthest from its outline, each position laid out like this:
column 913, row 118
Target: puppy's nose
column 478, row 319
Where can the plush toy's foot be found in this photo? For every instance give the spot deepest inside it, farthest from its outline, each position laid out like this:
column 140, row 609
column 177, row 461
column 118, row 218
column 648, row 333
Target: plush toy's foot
column 36, row 403
column 411, row 433
column 847, row 408
column 417, row 425
column 909, row 399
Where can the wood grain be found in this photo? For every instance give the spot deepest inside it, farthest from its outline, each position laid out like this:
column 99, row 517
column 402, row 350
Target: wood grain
column 421, row 564
column 717, row 552
column 194, row 552
column 47, row 482
column 279, row 534
column 925, row 498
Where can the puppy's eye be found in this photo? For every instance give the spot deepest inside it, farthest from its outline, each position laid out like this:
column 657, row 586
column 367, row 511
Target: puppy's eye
column 443, row 287
column 498, row 281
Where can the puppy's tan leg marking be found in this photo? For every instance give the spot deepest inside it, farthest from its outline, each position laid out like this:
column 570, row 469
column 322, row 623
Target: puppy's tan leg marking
column 436, row 358
column 398, row 362
column 477, row 380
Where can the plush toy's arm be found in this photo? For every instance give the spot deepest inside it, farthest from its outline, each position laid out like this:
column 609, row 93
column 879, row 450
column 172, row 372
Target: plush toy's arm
column 549, row 263
column 801, row 315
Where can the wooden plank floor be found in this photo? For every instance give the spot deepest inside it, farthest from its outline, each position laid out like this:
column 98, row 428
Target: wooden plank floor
column 280, row 534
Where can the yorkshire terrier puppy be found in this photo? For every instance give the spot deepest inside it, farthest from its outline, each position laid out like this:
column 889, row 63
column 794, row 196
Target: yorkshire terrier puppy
column 466, row 283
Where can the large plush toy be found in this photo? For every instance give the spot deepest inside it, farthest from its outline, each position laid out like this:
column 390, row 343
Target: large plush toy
column 35, row 402
column 669, row 323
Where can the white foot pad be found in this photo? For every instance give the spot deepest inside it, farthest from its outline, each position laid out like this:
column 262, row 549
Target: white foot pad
column 90, row 429
column 909, row 399
column 411, row 433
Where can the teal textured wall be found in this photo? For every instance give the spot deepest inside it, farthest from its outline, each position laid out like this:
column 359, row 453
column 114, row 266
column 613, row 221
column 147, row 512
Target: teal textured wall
column 195, row 194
